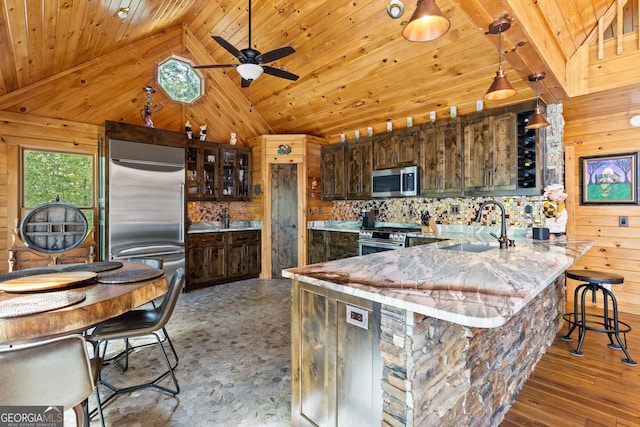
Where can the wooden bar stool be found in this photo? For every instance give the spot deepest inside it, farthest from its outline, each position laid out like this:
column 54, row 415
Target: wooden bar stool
column 607, row 322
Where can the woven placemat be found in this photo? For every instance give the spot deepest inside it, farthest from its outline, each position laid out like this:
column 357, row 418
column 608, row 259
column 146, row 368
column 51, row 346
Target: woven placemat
column 96, row 267
column 129, row 276
column 39, row 303
column 26, row 273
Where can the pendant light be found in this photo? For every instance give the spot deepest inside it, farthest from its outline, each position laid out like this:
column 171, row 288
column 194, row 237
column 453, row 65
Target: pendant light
column 427, row 23
column 537, row 120
column 500, row 88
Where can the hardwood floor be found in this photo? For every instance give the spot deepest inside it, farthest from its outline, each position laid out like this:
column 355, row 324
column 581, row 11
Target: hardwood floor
column 596, row 389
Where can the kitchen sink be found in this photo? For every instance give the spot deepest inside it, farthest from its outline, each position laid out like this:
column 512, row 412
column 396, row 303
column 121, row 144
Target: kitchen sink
column 470, row 247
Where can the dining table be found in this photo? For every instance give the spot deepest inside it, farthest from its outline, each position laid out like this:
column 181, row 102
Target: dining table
column 93, row 293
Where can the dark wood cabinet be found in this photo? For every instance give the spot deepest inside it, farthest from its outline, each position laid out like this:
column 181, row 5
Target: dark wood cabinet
column 440, row 159
column 333, row 172
column 317, row 246
column 202, row 181
column 244, row 254
column 341, row 244
column 395, row 149
column 332, row 245
column 490, row 154
column 235, row 173
column 359, row 163
column 218, row 172
column 206, row 260
column 221, row 257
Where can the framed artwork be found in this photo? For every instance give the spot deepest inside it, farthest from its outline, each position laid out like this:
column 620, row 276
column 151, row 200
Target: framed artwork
column 609, row 179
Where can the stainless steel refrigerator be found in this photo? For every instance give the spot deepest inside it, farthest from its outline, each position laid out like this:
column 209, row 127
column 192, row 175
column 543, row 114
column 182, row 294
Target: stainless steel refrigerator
column 144, row 211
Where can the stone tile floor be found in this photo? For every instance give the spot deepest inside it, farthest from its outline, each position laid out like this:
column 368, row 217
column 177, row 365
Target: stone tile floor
column 233, row 341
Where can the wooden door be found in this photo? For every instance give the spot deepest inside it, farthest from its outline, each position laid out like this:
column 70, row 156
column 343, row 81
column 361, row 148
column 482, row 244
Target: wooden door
column 359, row 165
column 284, row 217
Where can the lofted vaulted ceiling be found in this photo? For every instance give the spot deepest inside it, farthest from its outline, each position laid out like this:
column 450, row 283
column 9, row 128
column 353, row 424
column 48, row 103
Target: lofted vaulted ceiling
column 355, row 68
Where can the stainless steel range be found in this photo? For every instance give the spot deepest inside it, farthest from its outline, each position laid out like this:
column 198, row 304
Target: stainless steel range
column 382, row 239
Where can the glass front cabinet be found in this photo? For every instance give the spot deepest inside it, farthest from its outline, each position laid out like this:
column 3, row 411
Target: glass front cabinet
column 235, row 173
column 202, row 172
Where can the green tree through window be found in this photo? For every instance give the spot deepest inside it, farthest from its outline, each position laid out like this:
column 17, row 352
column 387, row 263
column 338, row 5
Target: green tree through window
column 180, row 81
column 47, row 175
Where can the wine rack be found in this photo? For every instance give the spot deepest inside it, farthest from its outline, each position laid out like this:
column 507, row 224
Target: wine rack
column 527, row 153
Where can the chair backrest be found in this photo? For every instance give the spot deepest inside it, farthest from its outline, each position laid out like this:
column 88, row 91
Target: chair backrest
column 53, row 372
column 153, row 262
column 171, row 297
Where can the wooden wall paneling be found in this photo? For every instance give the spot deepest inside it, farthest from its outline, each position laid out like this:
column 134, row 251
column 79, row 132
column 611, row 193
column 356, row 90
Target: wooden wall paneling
column 614, row 68
column 41, row 132
column 599, row 124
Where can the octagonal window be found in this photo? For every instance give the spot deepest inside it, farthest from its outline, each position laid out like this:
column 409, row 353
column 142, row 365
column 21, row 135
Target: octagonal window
column 180, row 81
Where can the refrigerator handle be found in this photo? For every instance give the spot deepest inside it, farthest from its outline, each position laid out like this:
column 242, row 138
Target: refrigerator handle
column 183, row 207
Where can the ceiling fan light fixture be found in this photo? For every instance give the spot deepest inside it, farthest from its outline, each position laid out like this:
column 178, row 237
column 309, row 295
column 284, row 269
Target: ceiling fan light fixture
column 249, row 72
column 427, row 23
column 500, row 88
column 537, row 120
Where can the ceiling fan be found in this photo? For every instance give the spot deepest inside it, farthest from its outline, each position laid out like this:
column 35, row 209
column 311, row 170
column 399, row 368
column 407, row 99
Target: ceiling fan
column 251, row 60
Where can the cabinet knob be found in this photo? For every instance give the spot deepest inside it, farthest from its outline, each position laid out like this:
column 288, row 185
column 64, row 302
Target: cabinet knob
column 293, row 226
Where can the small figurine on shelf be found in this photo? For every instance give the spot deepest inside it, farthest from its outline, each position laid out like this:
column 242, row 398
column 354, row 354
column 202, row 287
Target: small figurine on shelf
column 203, row 133
column 187, row 129
column 233, row 139
column 555, row 211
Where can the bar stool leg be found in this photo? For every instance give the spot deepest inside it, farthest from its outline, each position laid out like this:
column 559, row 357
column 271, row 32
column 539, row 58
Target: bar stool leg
column 574, row 323
column 616, row 327
column 582, row 331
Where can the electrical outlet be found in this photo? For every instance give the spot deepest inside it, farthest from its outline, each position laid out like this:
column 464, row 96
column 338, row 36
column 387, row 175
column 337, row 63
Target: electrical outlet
column 455, row 209
column 623, row 221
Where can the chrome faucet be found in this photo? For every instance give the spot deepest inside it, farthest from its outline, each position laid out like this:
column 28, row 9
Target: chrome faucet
column 503, row 239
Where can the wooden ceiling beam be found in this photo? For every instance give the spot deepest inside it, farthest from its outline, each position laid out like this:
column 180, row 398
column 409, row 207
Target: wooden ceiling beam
column 528, row 46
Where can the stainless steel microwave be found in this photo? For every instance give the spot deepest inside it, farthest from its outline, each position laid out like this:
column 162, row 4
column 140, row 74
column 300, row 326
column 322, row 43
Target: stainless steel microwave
column 396, row 182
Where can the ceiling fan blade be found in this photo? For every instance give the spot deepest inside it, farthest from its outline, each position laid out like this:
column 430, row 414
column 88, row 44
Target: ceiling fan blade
column 245, row 83
column 275, row 54
column 216, row 66
column 279, row 73
column 230, row 48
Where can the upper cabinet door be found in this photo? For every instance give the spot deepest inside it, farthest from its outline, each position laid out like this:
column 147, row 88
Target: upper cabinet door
column 395, row 149
column 490, row 154
column 359, row 161
column 333, row 172
column 440, row 159
column 235, row 173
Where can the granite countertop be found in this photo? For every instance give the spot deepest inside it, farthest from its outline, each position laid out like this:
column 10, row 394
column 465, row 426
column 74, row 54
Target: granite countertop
column 473, row 289
column 216, row 226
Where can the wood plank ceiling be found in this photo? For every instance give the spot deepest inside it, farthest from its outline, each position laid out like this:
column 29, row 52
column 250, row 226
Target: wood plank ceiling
column 355, row 68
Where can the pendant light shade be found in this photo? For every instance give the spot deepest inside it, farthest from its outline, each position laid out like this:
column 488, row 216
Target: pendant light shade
column 537, row 120
column 427, row 23
column 500, row 88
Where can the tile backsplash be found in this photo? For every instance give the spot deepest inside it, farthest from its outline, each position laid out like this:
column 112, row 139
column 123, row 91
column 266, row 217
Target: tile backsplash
column 408, row 210
column 212, row 211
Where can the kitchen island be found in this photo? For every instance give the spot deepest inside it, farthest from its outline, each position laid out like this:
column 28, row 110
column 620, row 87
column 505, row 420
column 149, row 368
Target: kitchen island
column 424, row 335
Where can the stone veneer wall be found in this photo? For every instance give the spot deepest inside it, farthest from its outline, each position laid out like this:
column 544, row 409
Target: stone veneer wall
column 438, row 373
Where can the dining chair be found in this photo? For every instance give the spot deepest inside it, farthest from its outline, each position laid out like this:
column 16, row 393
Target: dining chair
column 52, row 372
column 141, row 323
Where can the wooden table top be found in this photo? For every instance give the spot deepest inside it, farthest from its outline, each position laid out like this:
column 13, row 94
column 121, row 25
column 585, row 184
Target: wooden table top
column 103, row 301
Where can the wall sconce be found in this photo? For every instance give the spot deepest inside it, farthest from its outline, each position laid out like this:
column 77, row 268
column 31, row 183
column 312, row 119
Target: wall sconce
column 500, row 88
column 427, row 23
column 538, row 120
